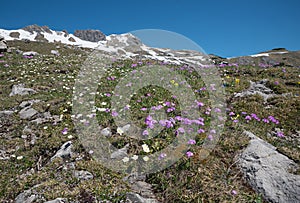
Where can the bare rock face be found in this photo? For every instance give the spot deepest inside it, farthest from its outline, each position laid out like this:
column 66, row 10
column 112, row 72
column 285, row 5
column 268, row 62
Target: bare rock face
column 71, row 39
column 21, row 90
column 37, row 28
column 267, row 171
column 90, row 35
column 259, row 88
column 15, row 35
column 41, row 38
column 3, row 44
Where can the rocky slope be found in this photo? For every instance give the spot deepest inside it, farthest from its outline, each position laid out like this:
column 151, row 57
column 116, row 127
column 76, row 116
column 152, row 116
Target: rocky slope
column 42, row 160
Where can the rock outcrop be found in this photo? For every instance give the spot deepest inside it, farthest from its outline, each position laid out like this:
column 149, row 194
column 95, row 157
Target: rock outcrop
column 90, row 35
column 37, row 28
column 3, row 44
column 267, row 171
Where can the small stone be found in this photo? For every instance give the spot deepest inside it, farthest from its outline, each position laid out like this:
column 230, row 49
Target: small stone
column 27, row 113
column 58, row 200
column 106, row 132
column 64, row 151
column 136, row 198
column 120, row 153
column 83, row 175
column 6, row 113
column 21, row 90
column 30, row 53
column 55, row 52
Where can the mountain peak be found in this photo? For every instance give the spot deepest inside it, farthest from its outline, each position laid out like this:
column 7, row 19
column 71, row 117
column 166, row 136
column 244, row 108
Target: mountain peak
column 90, row 35
column 37, row 28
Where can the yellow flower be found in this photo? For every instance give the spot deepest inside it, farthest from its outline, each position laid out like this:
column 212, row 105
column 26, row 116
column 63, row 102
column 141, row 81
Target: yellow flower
column 227, row 76
column 234, row 118
column 237, row 80
column 172, row 81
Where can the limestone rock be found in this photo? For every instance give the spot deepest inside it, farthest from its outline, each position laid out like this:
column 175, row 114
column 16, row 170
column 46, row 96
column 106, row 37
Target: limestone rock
column 29, row 196
column 30, row 53
column 120, row 153
column 257, row 88
column 83, row 175
column 58, row 200
column 106, row 132
column 266, row 170
column 64, row 151
column 27, row 113
column 55, row 52
column 90, row 35
column 136, row 198
column 37, row 29
column 21, row 90
column 3, row 44
column 14, row 35
column 5, row 113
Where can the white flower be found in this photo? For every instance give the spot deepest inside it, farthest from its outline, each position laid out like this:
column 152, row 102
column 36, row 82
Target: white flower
column 120, row 130
column 125, row 159
column 19, row 157
column 103, row 103
column 146, row 158
column 101, row 109
column 146, row 148
column 135, row 157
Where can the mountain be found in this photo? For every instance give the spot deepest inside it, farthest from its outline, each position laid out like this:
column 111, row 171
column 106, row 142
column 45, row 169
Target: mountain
column 90, row 35
column 129, row 46
column 125, row 45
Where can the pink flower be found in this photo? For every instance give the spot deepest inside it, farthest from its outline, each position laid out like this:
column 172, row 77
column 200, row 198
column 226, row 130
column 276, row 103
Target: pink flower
column 248, row 118
column 280, row 134
column 64, row 131
column 213, row 131
column 145, row 132
column 149, row 121
column 170, row 109
column 114, row 113
column 265, row 120
column 189, row 154
column 217, row 110
column 201, row 131
column 180, row 130
column 234, row 192
column 191, row 142
column 199, row 104
column 231, row 113
column 162, row 155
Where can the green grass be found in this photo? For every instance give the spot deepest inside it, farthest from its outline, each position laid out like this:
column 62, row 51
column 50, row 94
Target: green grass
column 188, row 180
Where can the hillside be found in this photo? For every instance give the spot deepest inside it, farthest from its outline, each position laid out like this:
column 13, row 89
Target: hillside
column 43, row 156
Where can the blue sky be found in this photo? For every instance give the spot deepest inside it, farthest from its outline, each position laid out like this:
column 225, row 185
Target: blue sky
column 222, row 27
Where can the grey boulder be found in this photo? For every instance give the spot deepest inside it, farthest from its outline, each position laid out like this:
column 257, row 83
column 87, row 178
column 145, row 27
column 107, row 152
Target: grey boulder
column 21, row 90
column 267, row 171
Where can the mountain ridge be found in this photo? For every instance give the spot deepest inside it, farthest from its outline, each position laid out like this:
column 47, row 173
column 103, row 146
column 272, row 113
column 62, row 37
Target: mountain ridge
column 129, row 46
